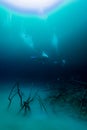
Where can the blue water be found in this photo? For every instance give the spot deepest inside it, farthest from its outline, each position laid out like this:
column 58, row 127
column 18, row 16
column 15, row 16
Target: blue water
column 45, row 53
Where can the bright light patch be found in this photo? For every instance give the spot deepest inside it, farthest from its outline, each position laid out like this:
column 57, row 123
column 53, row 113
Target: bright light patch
column 33, row 6
column 27, row 39
column 44, row 55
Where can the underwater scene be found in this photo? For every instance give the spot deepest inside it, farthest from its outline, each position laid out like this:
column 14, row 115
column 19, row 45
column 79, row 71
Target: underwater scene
column 43, row 64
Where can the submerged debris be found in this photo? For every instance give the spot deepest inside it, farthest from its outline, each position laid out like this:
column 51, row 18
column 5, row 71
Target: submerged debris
column 69, row 96
column 25, row 105
column 61, row 95
column 13, row 94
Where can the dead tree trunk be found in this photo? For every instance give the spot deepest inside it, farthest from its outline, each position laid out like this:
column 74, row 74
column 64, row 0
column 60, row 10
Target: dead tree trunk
column 13, row 94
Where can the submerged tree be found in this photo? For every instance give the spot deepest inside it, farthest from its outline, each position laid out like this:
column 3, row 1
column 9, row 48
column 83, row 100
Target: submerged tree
column 25, row 105
column 13, row 94
column 42, row 105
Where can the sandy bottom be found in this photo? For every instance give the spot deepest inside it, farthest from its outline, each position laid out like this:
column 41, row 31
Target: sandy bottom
column 37, row 121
